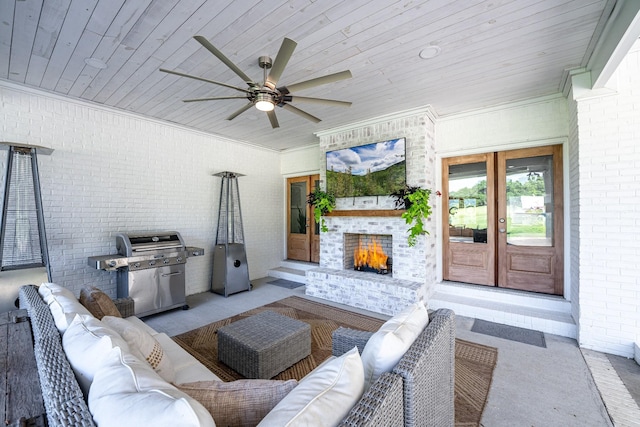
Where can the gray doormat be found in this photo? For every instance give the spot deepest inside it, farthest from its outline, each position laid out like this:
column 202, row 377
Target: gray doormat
column 526, row 336
column 286, row 283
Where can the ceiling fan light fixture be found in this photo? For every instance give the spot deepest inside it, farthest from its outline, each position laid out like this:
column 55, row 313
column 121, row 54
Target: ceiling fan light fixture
column 264, row 102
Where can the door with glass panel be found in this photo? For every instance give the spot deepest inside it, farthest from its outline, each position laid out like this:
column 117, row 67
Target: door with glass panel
column 468, row 219
column 530, row 225
column 303, row 234
column 505, row 223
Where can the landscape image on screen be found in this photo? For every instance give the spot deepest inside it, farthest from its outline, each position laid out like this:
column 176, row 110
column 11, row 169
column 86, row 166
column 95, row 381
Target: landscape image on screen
column 375, row 169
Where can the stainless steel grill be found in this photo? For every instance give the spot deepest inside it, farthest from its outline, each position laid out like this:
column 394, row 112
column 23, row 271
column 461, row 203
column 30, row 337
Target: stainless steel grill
column 150, row 268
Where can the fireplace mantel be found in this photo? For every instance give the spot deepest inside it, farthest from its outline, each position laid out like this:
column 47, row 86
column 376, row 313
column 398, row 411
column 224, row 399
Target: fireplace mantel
column 367, row 212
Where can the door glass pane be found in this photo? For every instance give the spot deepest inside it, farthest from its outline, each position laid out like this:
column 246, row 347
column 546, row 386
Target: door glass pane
column 530, row 201
column 298, row 203
column 468, row 203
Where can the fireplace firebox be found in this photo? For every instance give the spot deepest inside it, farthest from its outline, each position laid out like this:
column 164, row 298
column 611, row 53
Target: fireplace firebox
column 368, row 252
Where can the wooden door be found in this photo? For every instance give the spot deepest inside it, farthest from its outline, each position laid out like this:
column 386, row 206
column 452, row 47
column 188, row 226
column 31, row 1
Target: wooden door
column 469, row 232
column 303, row 236
column 505, row 219
column 530, row 219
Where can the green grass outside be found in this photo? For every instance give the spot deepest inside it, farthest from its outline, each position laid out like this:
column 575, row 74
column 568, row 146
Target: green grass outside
column 476, row 217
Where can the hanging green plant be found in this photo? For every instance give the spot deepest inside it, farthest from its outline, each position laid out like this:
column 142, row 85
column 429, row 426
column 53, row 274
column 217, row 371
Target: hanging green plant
column 322, row 203
column 417, row 209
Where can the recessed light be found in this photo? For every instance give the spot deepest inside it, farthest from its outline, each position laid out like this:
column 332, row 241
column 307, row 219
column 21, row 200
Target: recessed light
column 430, row 52
column 95, row 63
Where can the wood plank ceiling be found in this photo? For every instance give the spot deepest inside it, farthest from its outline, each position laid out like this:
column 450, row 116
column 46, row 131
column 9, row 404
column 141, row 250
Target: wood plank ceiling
column 491, row 51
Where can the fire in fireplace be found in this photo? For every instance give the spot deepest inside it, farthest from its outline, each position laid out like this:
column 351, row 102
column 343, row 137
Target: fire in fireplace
column 370, row 256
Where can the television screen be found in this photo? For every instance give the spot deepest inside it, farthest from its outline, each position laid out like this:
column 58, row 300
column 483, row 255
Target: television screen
column 376, row 169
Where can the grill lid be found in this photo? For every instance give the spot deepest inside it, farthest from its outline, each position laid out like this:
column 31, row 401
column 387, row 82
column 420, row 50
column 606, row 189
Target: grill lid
column 130, row 244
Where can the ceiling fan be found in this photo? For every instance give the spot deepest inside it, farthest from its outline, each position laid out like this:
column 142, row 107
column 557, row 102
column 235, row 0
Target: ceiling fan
column 267, row 95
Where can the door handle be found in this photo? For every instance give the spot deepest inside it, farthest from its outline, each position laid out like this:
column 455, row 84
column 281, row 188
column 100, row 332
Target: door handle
column 172, row 273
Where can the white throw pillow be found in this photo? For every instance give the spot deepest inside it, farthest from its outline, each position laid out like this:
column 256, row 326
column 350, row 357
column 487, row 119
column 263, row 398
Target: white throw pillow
column 126, row 392
column 323, row 397
column 47, row 289
column 386, row 347
column 87, row 342
column 143, row 346
column 62, row 303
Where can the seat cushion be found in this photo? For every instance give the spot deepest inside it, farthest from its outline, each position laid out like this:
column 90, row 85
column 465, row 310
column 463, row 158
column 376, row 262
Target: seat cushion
column 386, row 347
column 87, row 342
column 126, row 392
column 187, row 368
column 241, row 402
column 98, row 303
column 138, row 323
column 143, row 346
column 324, row 396
column 62, row 303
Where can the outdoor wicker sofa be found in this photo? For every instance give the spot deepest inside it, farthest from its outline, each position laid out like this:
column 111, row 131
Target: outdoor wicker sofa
column 419, row 391
column 425, row 376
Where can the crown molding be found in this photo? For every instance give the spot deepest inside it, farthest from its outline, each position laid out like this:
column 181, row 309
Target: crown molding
column 100, row 107
column 426, row 110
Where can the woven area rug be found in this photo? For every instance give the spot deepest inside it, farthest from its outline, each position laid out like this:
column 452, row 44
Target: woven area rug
column 474, row 362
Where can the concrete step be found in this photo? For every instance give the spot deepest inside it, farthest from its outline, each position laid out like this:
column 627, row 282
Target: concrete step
column 298, row 265
column 294, row 271
column 545, row 313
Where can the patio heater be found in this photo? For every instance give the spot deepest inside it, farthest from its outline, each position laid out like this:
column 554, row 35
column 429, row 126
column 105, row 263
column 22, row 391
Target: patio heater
column 23, row 243
column 230, row 270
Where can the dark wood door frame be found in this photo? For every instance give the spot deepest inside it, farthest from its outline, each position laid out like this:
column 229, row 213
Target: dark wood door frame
column 499, row 263
column 302, row 245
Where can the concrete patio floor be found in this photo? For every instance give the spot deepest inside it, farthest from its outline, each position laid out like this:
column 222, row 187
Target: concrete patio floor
column 560, row 385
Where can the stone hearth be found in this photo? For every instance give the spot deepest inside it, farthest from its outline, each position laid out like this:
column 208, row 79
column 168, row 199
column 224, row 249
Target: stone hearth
column 370, row 291
column 387, row 294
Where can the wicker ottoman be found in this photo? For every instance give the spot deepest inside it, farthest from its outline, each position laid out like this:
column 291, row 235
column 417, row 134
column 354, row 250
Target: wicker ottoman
column 263, row 345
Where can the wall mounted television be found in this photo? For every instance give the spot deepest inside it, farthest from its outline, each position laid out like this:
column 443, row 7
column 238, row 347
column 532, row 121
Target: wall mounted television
column 376, row 169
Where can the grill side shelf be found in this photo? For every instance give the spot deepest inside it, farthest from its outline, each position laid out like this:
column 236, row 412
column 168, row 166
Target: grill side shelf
column 149, row 260
column 108, row 262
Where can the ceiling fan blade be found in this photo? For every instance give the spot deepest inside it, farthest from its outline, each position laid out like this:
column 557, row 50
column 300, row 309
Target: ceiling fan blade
column 272, row 118
column 215, row 98
column 282, row 58
column 177, row 73
column 322, row 101
column 240, row 111
column 301, row 113
column 211, row 48
column 330, row 78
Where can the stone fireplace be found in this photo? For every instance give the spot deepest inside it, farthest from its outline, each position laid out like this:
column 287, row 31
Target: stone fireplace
column 413, row 269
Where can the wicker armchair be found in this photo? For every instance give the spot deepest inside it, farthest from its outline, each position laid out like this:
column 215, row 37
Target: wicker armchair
column 426, row 373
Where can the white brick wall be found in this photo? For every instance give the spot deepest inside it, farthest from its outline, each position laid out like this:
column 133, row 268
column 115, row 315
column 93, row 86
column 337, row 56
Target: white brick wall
column 608, row 208
column 115, row 172
column 574, row 210
column 521, row 124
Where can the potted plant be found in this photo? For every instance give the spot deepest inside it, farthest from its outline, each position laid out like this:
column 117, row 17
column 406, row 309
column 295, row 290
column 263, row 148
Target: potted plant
column 322, row 203
column 415, row 200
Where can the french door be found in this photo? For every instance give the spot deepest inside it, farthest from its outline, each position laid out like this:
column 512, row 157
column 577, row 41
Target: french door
column 505, row 219
column 303, row 234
